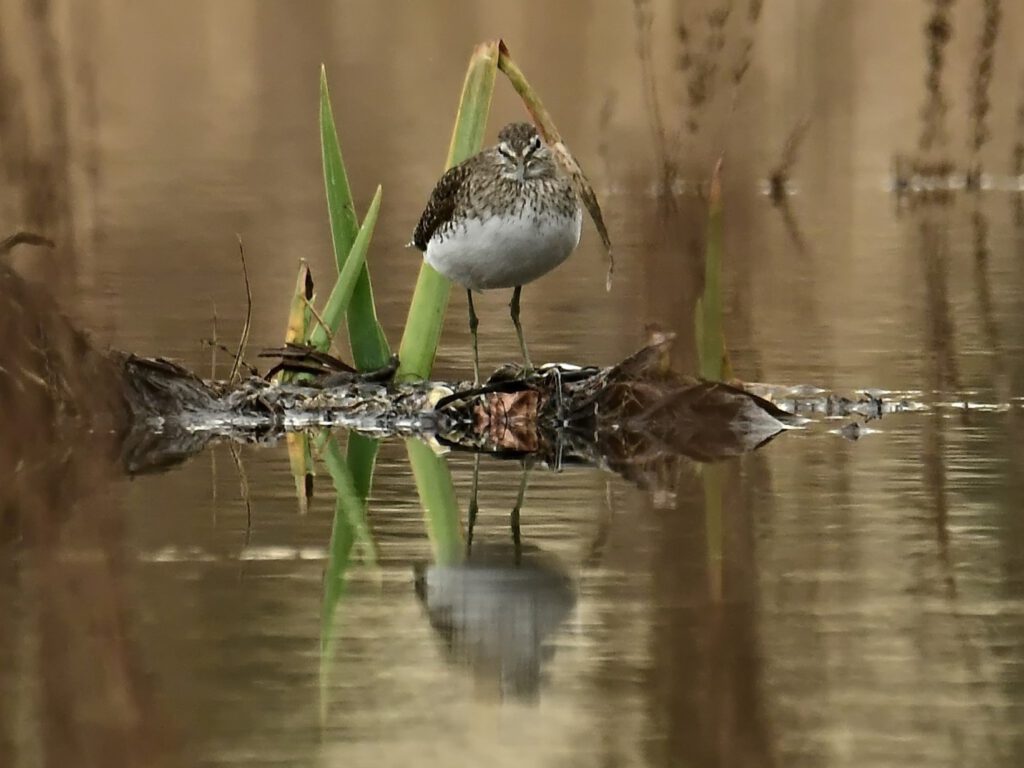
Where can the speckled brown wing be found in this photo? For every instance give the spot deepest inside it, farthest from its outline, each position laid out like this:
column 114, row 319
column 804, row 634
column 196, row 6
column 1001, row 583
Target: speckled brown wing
column 441, row 205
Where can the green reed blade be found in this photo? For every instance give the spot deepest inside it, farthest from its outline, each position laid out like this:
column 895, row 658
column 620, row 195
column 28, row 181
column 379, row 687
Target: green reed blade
column 341, row 294
column 430, row 298
column 370, row 349
column 440, row 507
column 713, row 357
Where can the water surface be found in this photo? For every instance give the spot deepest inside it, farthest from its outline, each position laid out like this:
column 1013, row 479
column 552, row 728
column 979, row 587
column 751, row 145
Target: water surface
column 818, row 602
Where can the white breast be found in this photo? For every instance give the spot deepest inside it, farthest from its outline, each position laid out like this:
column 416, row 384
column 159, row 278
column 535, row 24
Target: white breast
column 504, row 251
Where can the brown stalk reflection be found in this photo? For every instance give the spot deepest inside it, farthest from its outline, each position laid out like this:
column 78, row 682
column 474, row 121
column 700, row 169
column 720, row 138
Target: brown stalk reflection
column 942, row 369
column 942, row 376
column 1017, row 160
column 983, row 292
column 706, row 698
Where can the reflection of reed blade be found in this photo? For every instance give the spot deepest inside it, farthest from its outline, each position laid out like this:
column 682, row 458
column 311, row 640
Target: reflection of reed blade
column 496, row 618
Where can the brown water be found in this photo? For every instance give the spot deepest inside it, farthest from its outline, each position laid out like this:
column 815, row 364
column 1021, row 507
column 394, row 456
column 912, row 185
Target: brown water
column 838, row 603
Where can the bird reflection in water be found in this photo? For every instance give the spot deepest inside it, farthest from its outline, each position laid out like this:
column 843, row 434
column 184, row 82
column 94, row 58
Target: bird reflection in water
column 499, row 609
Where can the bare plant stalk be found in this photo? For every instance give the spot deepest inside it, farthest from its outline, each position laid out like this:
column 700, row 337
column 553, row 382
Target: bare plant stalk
column 323, row 324
column 244, row 340
column 213, row 345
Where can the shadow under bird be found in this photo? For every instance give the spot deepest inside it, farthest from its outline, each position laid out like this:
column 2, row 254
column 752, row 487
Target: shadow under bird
column 501, row 219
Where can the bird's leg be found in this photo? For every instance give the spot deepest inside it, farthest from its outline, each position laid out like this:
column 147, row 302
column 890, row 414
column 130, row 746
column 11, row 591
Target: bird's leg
column 517, row 539
column 514, row 306
column 474, row 323
column 474, row 504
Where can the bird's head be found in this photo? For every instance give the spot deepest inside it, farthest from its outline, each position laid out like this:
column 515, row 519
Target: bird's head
column 523, row 154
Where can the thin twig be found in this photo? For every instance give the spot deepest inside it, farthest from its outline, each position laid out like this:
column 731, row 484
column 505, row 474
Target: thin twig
column 320, row 320
column 248, row 315
column 24, row 238
column 243, row 489
column 214, row 343
column 252, row 369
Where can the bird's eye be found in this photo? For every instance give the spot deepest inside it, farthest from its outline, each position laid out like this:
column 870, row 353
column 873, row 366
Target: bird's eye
column 506, row 152
column 534, row 144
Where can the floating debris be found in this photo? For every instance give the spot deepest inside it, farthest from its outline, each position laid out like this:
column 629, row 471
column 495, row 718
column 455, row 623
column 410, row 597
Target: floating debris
column 854, row 431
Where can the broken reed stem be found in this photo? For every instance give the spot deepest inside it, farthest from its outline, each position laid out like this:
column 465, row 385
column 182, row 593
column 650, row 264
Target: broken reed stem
column 546, row 125
column 252, row 369
column 244, row 340
column 539, row 113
